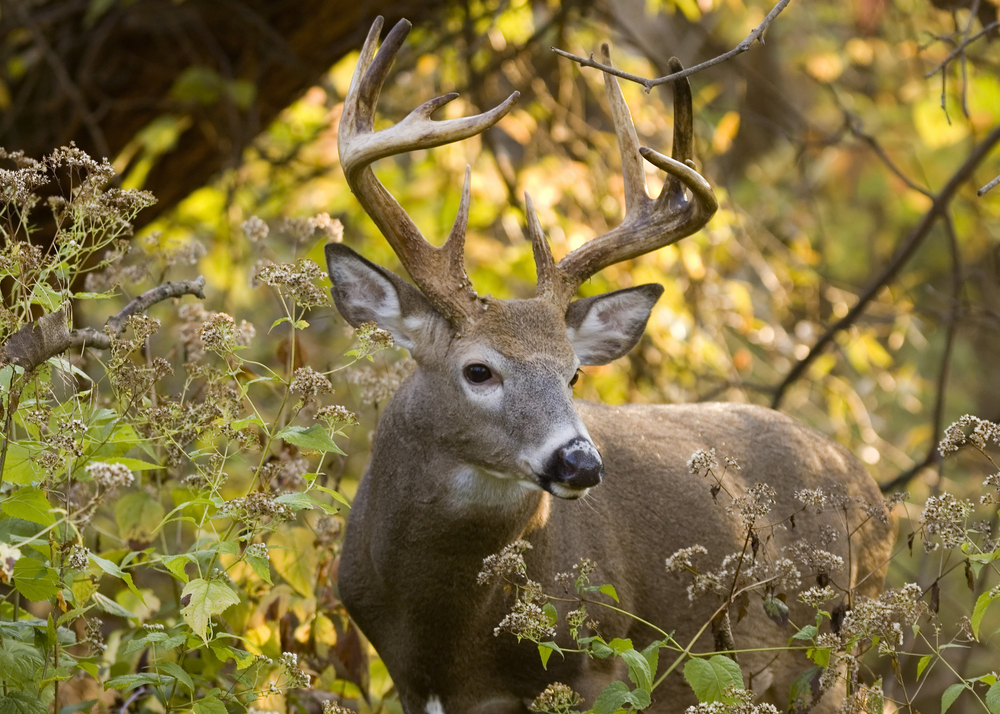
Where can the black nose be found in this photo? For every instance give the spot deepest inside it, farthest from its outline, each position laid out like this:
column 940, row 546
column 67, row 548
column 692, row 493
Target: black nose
column 577, row 464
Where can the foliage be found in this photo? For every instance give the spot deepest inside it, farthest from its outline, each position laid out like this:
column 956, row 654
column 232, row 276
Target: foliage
column 827, row 146
column 148, row 521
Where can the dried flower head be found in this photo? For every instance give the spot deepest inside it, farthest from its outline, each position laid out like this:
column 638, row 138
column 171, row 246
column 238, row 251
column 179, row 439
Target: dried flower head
column 557, row 698
column 701, row 462
column 371, row 339
column 333, row 228
column 332, row 708
column 982, row 432
column 297, row 281
column 527, row 621
column 506, row 565
column 754, row 504
column 816, row 596
column 109, row 476
column 813, row 498
column 79, row 557
column 294, row 676
column 218, row 333
column 336, row 416
column 681, row 561
column 255, row 229
column 735, row 701
column 945, row 516
column 308, row 383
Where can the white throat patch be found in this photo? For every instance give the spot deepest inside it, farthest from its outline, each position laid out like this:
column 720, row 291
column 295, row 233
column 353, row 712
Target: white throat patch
column 434, row 705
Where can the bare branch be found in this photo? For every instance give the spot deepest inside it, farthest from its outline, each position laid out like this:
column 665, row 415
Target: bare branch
column 961, row 48
column 901, row 256
column 756, row 35
column 35, row 343
column 933, row 457
column 988, row 186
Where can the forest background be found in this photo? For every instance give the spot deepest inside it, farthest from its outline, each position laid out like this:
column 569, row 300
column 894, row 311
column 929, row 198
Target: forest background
column 851, row 278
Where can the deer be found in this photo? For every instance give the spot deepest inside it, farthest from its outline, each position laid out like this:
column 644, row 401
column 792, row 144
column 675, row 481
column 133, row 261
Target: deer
column 483, row 444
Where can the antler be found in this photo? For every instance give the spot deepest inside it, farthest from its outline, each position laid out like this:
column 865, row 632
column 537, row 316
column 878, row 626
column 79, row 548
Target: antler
column 649, row 224
column 438, row 272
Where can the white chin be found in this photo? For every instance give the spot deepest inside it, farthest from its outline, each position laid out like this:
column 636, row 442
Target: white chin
column 570, row 494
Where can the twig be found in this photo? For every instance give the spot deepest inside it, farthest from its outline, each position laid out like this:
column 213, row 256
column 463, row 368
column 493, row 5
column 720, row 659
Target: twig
column 933, row 456
column 756, row 35
column 991, row 184
column 46, row 337
column 901, row 256
column 961, row 47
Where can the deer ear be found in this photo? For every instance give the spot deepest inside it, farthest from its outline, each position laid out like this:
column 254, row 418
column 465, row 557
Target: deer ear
column 365, row 292
column 604, row 327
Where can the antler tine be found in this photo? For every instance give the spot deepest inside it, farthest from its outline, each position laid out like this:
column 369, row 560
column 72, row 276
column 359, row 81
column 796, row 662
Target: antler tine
column 648, row 224
column 438, row 272
column 549, row 283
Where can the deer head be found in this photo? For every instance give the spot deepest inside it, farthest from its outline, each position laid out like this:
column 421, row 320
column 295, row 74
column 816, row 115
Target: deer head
column 497, row 374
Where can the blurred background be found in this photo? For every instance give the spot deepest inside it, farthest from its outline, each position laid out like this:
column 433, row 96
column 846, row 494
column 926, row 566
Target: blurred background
column 829, row 147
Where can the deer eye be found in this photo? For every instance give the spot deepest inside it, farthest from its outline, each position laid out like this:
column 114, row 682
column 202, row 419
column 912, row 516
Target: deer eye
column 477, row 373
column 575, row 379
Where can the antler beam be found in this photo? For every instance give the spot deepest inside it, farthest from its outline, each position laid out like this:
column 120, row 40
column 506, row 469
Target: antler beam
column 438, row 272
column 649, row 224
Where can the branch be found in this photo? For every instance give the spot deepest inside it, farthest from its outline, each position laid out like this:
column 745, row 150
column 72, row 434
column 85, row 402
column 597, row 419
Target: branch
column 903, row 253
column 35, row 343
column 756, row 35
column 988, row 186
column 933, row 456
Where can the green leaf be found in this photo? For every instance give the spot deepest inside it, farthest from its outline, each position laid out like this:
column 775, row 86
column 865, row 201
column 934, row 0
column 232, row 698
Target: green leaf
column 777, row 611
column 294, row 556
column 710, row 677
column 950, row 695
column 922, row 664
column 21, row 703
column 29, row 504
column 19, row 468
column 35, row 580
column 137, row 515
column 807, row 633
column 207, row 598
column 132, row 464
column 619, row 645
column 247, row 421
column 337, row 496
column 993, row 698
column 175, row 564
column 983, row 602
column 111, row 607
column 298, row 501
column 638, row 669
column 804, row 691
column 261, row 566
column 209, row 705
column 128, row 682
column 314, row 437
column 175, row 671
column 610, row 591
column 111, row 569
column 611, row 698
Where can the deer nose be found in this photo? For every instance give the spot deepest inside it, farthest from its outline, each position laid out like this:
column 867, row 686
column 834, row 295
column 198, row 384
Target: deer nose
column 578, row 464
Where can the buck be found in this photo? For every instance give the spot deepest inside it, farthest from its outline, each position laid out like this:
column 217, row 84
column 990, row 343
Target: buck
column 484, row 444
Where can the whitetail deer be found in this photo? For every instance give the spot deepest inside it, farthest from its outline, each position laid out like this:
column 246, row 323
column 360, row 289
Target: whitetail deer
column 473, row 447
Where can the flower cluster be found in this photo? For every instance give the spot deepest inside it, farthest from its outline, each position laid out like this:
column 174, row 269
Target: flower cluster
column 945, row 516
column 308, row 383
column 701, row 462
column 336, row 416
column 109, row 476
column 295, row 677
column 79, row 557
column 255, row 506
column 884, row 617
column 982, row 432
column 813, row 498
column 297, row 281
column 557, row 698
column 816, row 595
column 735, row 701
column 526, row 621
column 681, row 561
column 506, row 565
column 258, row 550
column 754, row 504
column 371, row 339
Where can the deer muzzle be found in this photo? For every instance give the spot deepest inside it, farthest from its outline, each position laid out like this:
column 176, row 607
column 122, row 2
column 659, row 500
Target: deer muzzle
column 574, row 468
